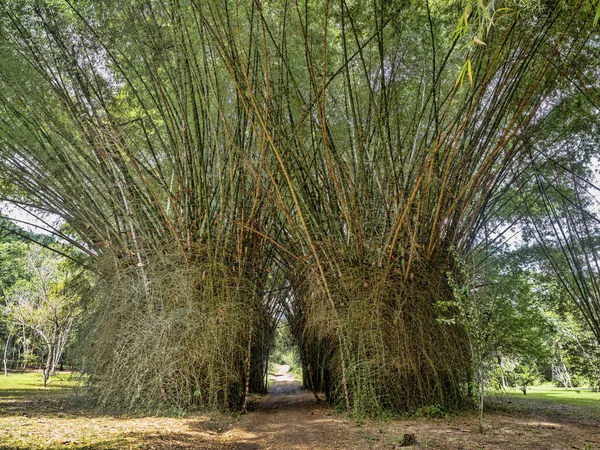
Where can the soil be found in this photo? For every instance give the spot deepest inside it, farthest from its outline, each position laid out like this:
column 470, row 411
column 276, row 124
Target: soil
column 290, row 418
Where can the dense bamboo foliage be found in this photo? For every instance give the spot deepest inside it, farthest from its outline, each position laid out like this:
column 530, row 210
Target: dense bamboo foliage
column 222, row 163
column 152, row 181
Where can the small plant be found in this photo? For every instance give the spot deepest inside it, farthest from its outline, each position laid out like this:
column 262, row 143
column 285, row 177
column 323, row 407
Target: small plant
column 525, row 376
column 431, row 411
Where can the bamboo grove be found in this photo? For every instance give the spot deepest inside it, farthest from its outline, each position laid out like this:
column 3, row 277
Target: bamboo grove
column 221, row 164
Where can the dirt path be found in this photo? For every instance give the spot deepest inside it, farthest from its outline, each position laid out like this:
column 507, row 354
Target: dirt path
column 287, row 418
column 290, row 418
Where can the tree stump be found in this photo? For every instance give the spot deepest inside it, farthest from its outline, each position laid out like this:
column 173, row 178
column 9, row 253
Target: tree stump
column 408, row 440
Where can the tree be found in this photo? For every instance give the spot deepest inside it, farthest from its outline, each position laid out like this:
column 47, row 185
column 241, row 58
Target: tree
column 531, row 323
column 44, row 305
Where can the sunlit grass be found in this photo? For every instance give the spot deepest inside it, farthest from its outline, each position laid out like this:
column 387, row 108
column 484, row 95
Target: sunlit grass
column 18, row 384
column 574, row 402
column 34, row 417
column 572, row 396
column 294, row 369
column 552, row 395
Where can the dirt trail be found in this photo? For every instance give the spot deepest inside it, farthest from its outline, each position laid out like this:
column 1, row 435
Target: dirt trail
column 290, row 418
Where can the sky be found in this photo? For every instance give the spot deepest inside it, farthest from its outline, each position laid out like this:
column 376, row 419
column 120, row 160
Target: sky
column 33, row 224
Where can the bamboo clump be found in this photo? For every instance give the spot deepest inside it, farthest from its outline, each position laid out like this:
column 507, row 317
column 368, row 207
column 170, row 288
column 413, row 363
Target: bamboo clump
column 223, row 164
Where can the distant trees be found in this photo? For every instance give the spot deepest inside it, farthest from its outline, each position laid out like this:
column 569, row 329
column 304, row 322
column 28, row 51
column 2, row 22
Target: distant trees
column 535, row 331
column 39, row 309
column 544, row 237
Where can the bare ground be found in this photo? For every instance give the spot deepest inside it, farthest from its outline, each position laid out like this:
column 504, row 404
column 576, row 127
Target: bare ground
column 289, row 418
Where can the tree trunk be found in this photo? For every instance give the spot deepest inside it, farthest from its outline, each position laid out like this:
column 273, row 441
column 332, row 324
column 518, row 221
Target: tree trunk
column 48, row 366
column 311, row 378
column 481, row 391
column 25, row 350
column 344, row 377
column 248, row 367
column 567, row 375
column 5, row 355
column 502, row 373
column 60, row 348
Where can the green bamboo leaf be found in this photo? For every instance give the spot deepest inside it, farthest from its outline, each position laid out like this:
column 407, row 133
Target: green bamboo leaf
column 462, row 27
column 597, row 16
column 469, row 72
column 484, row 10
column 461, row 75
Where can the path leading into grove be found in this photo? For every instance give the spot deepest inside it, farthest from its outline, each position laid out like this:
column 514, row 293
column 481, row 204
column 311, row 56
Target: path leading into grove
column 290, row 418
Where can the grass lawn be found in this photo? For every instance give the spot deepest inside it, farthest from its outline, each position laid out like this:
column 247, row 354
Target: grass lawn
column 575, row 402
column 19, row 384
column 551, row 394
column 34, row 417
column 571, row 396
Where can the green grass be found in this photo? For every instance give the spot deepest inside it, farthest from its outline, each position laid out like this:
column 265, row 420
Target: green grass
column 26, row 384
column 547, row 393
column 547, row 401
column 36, row 418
